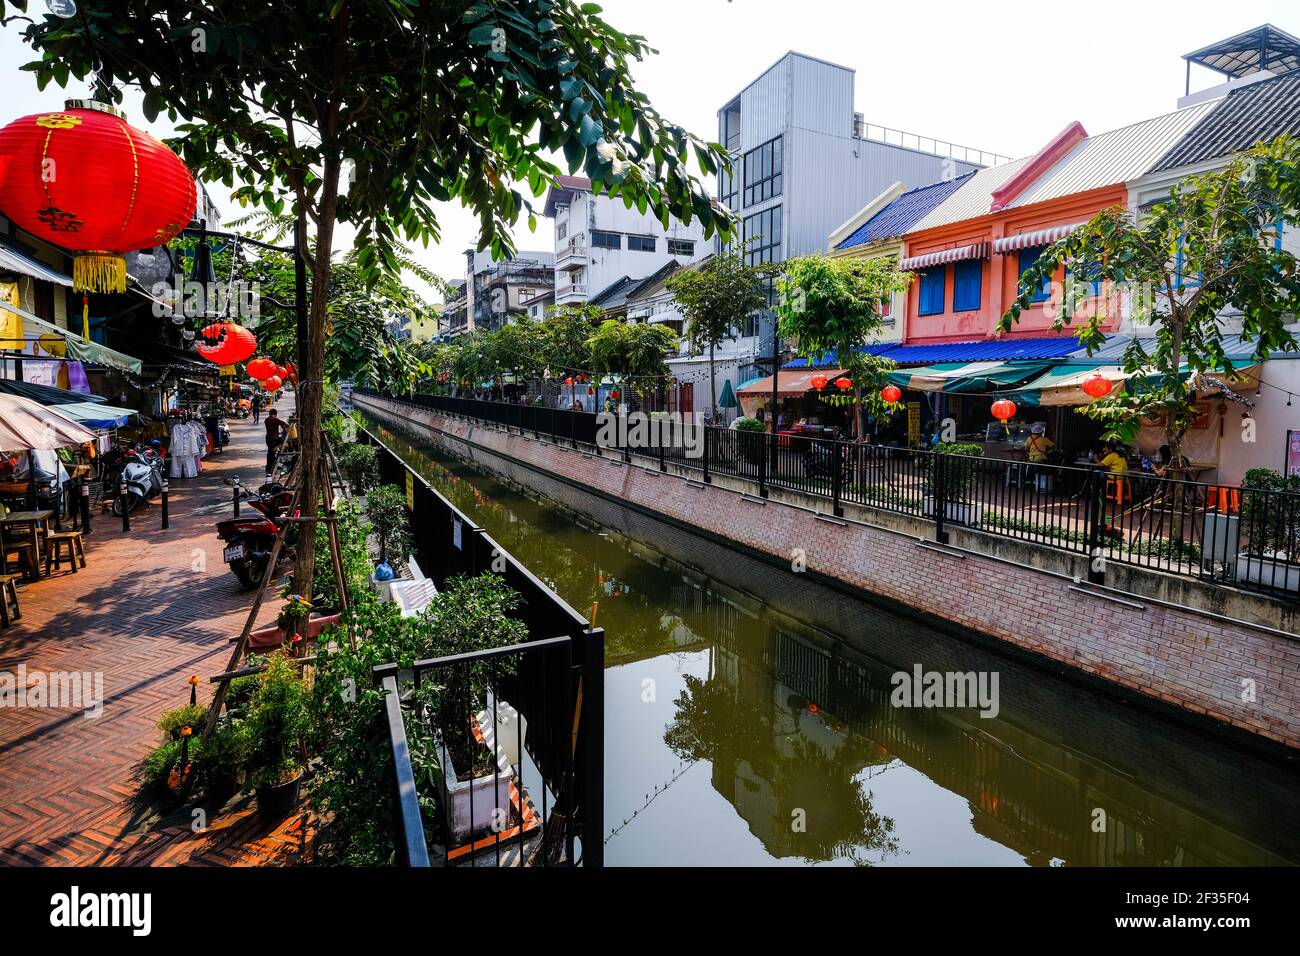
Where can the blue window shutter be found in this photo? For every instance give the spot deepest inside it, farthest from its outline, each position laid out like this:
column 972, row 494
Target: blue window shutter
column 931, row 295
column 966, row 282
column 1027, row 258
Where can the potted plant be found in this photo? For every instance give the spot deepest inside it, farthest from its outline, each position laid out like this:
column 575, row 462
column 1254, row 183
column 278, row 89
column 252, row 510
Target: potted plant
column 386, row 509
column 277, row 720
column 960, row 475
column 166, row 766
column 360, row 463
column 1270, row 522
column 749, row 438
column 221, row 764
column 295, row 610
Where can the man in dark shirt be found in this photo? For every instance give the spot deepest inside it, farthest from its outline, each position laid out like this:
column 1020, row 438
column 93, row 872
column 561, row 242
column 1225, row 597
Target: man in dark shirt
column 275, row 432
column 257, row 408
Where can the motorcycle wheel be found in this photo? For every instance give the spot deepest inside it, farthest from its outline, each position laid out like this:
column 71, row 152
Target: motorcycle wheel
column 250, row 571
column 132, row 499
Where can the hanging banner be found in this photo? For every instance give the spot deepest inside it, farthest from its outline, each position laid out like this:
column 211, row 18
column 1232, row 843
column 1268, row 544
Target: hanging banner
column 1293, row 452
column 228, row 371
column 913, row 423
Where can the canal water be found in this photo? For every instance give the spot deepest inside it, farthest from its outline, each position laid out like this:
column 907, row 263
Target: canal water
column 749, row 718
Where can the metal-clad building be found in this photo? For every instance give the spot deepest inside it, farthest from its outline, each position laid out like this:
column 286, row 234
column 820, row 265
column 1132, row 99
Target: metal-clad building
column 804, row 162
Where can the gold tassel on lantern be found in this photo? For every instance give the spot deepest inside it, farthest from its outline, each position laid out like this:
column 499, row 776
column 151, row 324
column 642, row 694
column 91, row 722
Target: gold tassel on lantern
column 85, row 316
column 98, row 272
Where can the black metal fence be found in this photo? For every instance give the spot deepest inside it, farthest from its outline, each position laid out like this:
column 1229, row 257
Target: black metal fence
column 1226, row 534
column 555, row 682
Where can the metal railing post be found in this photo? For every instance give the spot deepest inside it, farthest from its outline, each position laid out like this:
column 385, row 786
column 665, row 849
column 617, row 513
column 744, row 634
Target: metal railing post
column 708, row 478
column 1096, row 486
column 762, row 465
column 126, row 512
column 940, row 497
column 166, row 516
column 837, row 480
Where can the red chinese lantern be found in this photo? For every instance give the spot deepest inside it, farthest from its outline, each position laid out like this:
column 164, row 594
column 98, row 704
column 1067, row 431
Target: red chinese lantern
column 569, row 381
column 1097, row 386
column 891, row 393
column 843, row 383
column 260, row 368
column 614, row 395
column 818, row 382
column 273, row 383
column 283, row 372
column 226, row 343
column 86, row 180
column 1004, row 409
column 293, row 373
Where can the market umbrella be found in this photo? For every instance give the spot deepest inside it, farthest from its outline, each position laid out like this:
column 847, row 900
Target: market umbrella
column 26, row 425
column 728, row 399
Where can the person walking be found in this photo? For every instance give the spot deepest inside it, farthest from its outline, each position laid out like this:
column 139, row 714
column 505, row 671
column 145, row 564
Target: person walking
column 275, row 434
column 257, row 408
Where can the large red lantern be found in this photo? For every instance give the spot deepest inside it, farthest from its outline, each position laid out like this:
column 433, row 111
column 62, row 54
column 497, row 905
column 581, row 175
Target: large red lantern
column 273, row 383
column 260, row 368
column 283, row 372
column 891, row 393
column 818, row 382
column 1004, row 409
column 86, row 180
column 226, row 343
column 843, row 383
column 1098, row 386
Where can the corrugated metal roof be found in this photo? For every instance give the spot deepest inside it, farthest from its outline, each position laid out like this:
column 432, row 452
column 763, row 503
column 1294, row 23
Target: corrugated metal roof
column 1235, row 348
column 894, row 219
column 972, row 199
column 1115, row 157
column 1240, row 120
column 13, row 260
column 1102, row 160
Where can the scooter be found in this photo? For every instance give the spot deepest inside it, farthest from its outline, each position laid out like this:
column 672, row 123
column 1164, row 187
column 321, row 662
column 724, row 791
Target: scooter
column 819, row 462
column 249, row 541
column 142, row 476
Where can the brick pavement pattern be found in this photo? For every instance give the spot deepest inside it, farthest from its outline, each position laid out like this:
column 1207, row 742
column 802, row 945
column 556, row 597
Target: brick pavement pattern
column 150, row 609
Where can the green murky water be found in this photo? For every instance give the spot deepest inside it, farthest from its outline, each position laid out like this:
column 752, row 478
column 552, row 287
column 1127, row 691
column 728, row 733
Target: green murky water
column 749, row 719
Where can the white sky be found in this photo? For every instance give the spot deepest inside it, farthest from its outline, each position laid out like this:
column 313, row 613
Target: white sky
column 1002, row 77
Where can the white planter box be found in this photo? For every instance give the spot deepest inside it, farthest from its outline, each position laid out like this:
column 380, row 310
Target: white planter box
column 382, row 588
column 1280, row 574
column 958, row 512
column 481, row 796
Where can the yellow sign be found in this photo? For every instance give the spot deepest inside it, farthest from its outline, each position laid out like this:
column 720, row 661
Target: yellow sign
column 913, row 423
column 410, row 491
column 228, row 371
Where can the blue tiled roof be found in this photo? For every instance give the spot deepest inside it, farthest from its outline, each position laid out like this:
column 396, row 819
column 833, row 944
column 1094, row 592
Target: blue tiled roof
column 984, row 350
column 904, row 212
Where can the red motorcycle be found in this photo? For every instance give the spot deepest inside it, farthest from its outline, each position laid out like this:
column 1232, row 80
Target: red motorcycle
column 249, row 540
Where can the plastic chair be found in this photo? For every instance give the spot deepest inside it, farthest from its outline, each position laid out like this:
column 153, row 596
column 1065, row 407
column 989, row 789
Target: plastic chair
column 1118, row 489
column 1223, row 498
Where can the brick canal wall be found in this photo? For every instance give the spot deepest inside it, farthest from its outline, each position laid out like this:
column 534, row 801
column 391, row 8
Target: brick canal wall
column 1242, row 675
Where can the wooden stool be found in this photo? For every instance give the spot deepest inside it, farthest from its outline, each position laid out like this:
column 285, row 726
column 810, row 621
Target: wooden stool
column 9, row 596
column 54, row 542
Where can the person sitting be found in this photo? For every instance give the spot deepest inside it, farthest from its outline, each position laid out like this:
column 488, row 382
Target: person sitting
column 1112, row 460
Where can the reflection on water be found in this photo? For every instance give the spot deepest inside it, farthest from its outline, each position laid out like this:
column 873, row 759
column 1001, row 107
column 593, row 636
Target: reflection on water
column 748, row 718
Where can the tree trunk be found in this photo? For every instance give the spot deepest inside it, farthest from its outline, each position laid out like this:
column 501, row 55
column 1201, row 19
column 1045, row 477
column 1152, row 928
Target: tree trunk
column 311, row 385
column 713, row 390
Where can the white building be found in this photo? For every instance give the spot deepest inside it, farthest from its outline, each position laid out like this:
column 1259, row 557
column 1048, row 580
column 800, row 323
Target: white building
column 599, row 241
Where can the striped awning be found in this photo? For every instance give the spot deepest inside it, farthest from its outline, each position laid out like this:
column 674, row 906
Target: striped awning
column 1039, row 237
column 976, row 250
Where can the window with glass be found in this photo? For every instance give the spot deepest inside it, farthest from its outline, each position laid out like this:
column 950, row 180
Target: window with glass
column 727, row 191
column 641, row 243
column 930, row 291
column 681, row 247
column 1027, row 259
column 967, row 279
column 561, row 230
column 763, row 172
column 606, row 240
column 763, row 243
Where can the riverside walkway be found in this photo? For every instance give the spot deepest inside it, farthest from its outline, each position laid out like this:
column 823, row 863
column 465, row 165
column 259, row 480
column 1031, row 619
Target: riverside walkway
column 150, row 608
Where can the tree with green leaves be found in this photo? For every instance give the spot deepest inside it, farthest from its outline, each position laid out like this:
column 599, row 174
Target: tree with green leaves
column 716, row 297
column 421, row 102
column 833, row 307
column 1213, row 244
column 636, row 353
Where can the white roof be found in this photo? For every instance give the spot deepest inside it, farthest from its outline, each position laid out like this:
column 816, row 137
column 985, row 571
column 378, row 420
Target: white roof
column 1106, row 159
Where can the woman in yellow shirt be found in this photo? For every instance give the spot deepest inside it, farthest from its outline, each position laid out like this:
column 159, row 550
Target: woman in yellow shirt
column 1114, row 462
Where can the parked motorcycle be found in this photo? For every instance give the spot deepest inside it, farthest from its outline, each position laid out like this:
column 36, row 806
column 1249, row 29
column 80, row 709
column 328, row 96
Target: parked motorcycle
column 819, row 462
column 142, row 475
column 249, row 540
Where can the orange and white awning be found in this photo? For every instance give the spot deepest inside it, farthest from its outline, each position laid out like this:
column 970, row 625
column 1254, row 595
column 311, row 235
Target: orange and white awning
column 976, row 250
column 1039, row 237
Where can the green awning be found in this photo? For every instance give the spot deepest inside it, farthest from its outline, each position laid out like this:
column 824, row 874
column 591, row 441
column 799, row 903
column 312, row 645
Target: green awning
column 960, row 377
column 1063, row 384
column 83, row 350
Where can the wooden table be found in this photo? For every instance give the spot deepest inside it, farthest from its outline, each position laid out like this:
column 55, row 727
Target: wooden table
column 35, row 520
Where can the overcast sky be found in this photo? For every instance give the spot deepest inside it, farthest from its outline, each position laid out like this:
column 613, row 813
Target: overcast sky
column 1002, row 77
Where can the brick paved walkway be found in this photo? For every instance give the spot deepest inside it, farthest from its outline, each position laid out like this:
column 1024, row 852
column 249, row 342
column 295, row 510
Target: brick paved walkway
column 141, row 614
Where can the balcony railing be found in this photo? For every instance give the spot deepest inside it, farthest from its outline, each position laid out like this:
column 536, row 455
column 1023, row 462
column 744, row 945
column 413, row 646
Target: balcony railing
column 572, row 256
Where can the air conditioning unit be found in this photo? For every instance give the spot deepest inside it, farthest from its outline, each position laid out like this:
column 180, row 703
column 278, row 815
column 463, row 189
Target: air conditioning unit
column 1220, row 538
